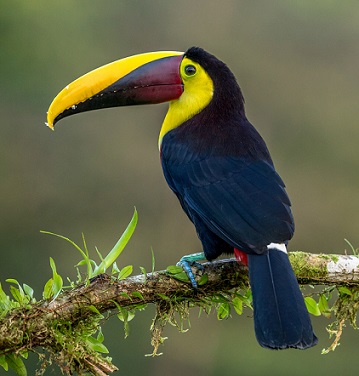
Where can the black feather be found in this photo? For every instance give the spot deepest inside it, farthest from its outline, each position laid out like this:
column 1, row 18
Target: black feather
column 281, row 318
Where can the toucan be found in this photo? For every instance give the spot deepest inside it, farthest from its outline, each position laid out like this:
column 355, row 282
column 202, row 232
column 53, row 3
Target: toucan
column 220, row 169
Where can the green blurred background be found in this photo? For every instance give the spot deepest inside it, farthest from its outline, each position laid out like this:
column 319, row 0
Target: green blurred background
column 297, row 63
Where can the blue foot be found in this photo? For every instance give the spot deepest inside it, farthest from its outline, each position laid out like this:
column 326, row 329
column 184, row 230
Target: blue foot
column 191, row 260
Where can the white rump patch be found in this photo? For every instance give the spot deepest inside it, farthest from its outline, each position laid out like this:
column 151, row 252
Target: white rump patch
column 278, row 246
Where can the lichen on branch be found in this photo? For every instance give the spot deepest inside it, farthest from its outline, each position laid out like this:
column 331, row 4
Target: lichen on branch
column 68, row 327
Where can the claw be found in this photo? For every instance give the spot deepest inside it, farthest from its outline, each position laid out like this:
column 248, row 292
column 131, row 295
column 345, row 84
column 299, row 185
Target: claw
column 191, row 260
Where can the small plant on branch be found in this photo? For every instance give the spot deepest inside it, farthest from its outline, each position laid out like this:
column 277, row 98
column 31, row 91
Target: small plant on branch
column 65, row 326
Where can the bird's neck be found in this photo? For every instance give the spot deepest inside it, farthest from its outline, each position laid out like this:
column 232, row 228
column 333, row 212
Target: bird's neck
column 191, row 102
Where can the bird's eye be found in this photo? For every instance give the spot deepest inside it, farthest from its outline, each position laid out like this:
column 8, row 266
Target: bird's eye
column 190, row 70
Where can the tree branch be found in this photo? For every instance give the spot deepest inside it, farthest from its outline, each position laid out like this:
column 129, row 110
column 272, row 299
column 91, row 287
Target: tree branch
column 39, row 325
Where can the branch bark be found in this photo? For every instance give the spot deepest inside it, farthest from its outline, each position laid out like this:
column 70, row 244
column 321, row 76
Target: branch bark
column 35, row 323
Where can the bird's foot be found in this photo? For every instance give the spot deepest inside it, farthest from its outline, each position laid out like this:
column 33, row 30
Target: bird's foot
column 191, row 260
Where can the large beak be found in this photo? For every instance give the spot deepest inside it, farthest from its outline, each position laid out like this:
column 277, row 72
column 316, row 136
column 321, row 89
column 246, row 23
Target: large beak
column 146, row 78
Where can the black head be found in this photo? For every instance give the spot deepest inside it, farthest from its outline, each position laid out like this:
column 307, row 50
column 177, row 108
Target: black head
column 227, row 93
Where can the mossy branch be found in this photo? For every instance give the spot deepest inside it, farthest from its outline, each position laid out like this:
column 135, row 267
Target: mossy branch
column 76, row 313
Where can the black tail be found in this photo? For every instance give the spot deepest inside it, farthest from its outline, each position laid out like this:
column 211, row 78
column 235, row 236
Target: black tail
column 281, row 319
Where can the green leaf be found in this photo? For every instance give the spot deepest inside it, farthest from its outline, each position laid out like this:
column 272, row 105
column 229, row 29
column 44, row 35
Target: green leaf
column 16, row 294
column 137, row 294
column 174, row 269
column 57, row 286
column 16, row 363
column 119, row 246
column 203, row 280
column 100, row 336
column 143, row 271
column 355, row 251
column 24, row 354
column 3, row 362
column 125, row 316
column 47, row 294
column 57, row 282
column 96, row 345
column 223, row 311
column 67, row 239
column 5, row 303
column 125, row 272
column 219, row 298
column 238, row 305
column 98, row 254
column 84, row 254
column 53, row 266
column 130, row 315
column 164, row 297
column 312, row 306
column 80, row 263
column 246, row 298
column 122, row 315
column 153, row 261
column 28, row 290
column 125, row 295
column 344, row 290
column 140, row 307
column 115, row 269
column 94, row 309
column 183, row 277
column 324, row 306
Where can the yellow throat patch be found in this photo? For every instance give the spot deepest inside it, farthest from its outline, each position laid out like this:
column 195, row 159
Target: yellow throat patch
column 197, row 94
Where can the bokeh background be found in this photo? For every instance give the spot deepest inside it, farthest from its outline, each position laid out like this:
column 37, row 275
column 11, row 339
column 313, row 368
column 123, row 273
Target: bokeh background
column 297, row 63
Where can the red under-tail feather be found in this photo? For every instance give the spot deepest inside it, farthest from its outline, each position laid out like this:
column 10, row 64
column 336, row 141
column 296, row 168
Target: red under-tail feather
column 241, row 256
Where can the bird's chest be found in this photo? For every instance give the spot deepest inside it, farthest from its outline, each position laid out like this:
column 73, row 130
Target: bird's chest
column 194, row 159
column 195, row 142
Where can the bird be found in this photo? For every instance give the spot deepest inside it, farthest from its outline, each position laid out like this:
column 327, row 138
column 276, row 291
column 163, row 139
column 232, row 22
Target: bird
column 220, row 169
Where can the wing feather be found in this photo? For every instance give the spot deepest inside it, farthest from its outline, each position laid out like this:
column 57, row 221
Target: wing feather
column 239, row 199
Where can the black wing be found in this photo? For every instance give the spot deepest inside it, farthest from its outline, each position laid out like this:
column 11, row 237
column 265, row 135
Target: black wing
column 241, row 200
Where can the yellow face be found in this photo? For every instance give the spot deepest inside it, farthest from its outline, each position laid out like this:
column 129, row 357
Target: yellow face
column 198, row 92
